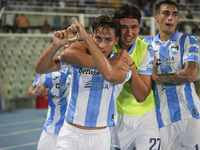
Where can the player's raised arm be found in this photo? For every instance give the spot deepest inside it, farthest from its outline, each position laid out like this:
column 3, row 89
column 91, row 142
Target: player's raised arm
column 100, row 47
column 46, row 62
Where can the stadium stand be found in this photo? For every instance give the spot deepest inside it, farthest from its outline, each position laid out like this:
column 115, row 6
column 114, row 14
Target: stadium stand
column 18, row 56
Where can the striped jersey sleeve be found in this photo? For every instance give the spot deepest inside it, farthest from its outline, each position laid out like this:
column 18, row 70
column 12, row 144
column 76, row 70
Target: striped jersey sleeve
column 147, row 62
column 39, row 80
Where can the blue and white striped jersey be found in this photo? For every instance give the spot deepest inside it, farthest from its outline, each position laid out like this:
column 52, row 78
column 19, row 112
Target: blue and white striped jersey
column 178, row 101
column 92, row 100
column 58, row 83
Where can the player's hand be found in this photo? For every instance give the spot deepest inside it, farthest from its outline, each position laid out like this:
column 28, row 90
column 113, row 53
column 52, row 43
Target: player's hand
column 154, row 73
column 40, row 90
column 78, row 30
column 61, row 37
column 121, row 60
column 126, row 57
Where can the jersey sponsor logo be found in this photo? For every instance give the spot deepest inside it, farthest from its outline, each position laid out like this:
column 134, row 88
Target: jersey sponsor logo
column 96, row 85
column 66, row 94
column 167, row 59
column 166, row 62
column 56, row 96
column 89, row 72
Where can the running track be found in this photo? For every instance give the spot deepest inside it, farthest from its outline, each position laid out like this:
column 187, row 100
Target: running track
column 21, row 129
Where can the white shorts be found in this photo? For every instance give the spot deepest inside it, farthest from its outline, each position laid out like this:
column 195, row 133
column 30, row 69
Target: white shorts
column 72, row 138
column 141, row 132
column 181, row 135
column 47, row 141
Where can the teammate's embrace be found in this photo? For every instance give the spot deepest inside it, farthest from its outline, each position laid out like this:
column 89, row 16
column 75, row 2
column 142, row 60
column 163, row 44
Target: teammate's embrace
column 93, row 91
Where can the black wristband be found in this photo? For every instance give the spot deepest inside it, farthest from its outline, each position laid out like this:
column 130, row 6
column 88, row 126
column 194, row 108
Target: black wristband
column 132, row 64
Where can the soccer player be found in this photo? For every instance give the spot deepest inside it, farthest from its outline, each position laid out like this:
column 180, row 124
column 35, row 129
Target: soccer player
column 177, row 104
column 137, row 125
column 56, row 85
column 93, row 91
column 136, row 101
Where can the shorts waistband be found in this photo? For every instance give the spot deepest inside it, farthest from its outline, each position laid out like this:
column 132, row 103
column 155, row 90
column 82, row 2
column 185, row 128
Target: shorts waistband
column 82, row 130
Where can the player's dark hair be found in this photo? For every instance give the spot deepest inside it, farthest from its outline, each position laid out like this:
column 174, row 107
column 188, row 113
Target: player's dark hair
column 127, row 11
column 169, row 2
column 106, row 21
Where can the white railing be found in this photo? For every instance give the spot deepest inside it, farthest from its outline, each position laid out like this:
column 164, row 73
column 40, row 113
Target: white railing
column 83, row 18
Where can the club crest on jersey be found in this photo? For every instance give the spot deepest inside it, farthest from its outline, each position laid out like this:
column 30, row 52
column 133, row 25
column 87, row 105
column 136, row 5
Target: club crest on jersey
column 96, row 85
column 174, row 49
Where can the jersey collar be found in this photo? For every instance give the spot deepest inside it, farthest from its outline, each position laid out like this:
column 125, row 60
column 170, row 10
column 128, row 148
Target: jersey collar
column 173, row 38
column 131, row 49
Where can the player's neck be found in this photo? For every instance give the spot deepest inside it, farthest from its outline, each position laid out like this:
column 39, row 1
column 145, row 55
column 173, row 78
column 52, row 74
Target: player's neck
column 165, row 37
column 125, row 47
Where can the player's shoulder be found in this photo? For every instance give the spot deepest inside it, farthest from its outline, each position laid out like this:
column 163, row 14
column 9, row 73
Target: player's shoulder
column 148, row 39
column 141, row 44
column 191, row 37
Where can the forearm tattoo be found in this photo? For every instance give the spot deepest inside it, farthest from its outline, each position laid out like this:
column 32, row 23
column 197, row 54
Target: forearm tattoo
column 180, row 76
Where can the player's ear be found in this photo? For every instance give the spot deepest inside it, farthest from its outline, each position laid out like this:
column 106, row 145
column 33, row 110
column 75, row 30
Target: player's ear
column 156, row 17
